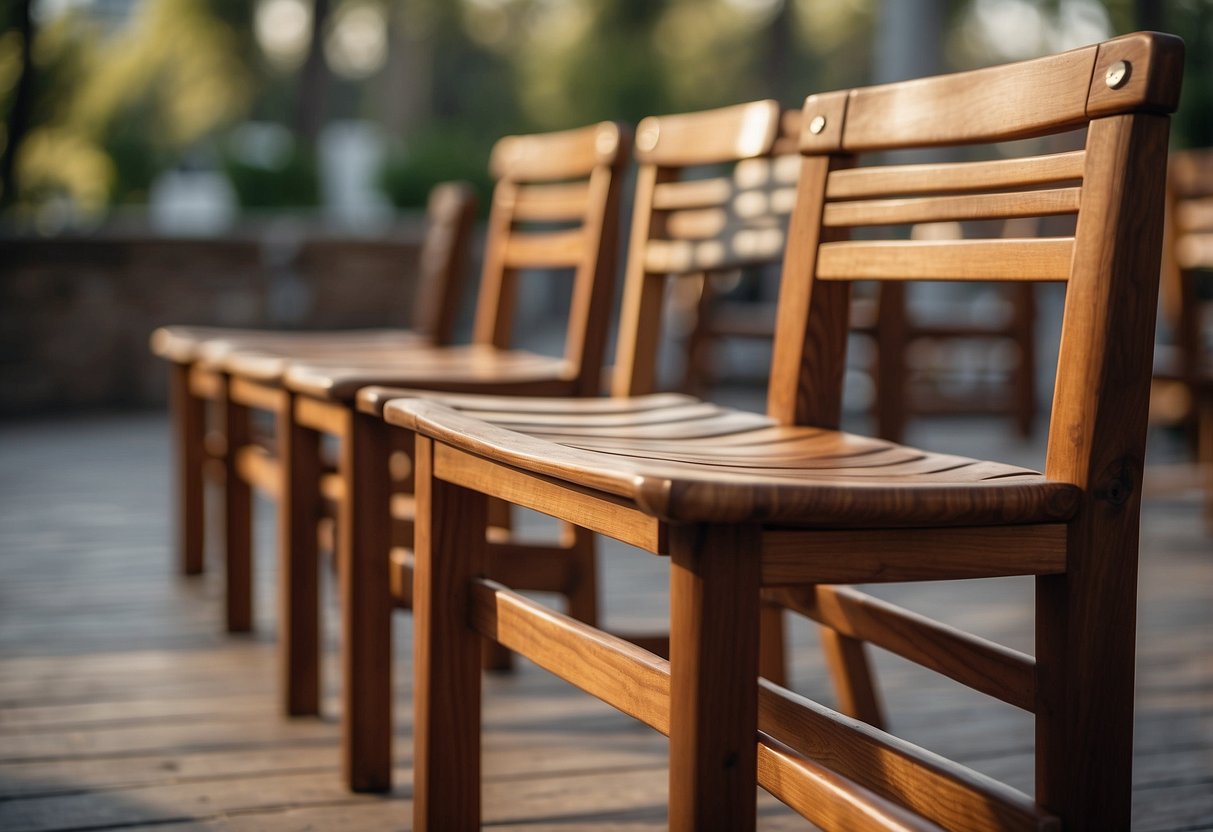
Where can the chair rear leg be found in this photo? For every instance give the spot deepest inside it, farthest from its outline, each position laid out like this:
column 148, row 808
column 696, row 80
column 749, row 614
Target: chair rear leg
column 238, row 521
column 851, row 672
column 364, row 540
column 772, row 657
column 582, row 590
column 187, row 413
column 299, row 563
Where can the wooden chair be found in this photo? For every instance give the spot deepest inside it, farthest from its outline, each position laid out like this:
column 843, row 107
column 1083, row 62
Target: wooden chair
column 1183, row 369
column 193, row 350
column 555, row 210
column 786, row 502
column 726, row 220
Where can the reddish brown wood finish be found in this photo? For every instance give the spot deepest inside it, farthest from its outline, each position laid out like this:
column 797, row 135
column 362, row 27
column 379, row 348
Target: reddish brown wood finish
column 731, row 496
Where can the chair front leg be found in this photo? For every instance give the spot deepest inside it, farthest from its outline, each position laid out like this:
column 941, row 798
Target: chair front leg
column 298, row 563
column 714, row 645
column 1085, row 649
column 187, row 413
column 237, row 518
column 450, row 552
column 364, row 536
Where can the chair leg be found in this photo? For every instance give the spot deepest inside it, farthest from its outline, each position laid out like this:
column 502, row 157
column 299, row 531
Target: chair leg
column 237, row 522
column 892, row 338
column 364, row 540
column 714, row 633
column 1024, row 380
column 852, row 674
column 299, row 563
column 450, row 551
column 772, row 658
column 1085, row 630
column 582, row 591
column 187, row 413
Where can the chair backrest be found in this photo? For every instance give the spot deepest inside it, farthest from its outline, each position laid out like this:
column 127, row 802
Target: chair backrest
column 1119, row 91
column 685, row 222
column 1189, row 249
column 555, row 207
column 449, row 215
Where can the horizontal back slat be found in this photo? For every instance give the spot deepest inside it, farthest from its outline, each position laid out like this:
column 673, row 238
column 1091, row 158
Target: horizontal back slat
column 730, row 250
column 551, row 203
column 1192, row 173
column 955, row 177
column 696, row 224
column 539, row 250
column 693, row 193
column 1033, row 260
column 551, row 157
column 1195, row 251
column 1195, row 214
column 946, row 208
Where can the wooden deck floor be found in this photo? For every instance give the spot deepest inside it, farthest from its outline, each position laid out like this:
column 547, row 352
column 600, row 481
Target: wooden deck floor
column 122, row 705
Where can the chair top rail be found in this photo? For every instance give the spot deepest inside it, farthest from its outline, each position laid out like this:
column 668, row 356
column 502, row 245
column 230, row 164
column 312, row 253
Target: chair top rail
column 1134, row 73
column 709, row 137
column 551, row 157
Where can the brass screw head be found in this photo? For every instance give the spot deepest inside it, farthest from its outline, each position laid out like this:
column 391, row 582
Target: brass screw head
column 817, row 125
column 1117, row 75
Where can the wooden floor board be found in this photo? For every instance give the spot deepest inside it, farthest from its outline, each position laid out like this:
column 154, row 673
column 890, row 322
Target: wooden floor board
column 123, row 705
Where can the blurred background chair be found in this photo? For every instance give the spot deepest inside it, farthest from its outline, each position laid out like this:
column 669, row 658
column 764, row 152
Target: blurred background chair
column 198, row 436
column 554, row 216
column 1183, row 367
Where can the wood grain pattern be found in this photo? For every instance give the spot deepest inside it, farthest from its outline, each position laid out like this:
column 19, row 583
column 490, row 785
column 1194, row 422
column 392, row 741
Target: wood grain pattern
column 975, row 662
column 943, row 209
column 745, row 501
column 299, row 468
column 188, row 416
column 1004, row 260
column 954, row 177
column 714, row 635
column 446, row 684
column 364, row 540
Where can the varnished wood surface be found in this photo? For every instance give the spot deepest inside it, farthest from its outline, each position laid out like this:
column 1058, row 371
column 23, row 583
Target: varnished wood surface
column 456, row 369
column 121, row 705
column 673, row 462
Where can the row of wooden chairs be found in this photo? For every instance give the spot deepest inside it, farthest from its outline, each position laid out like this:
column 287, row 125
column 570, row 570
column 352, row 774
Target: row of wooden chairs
column 755, row 512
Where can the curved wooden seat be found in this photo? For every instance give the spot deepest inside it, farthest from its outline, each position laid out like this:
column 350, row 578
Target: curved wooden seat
column 210, row 344
column 470, row 368
column 700, row 462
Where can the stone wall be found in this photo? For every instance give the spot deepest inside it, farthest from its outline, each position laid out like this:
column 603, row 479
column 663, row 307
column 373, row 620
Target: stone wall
column 76, row 312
